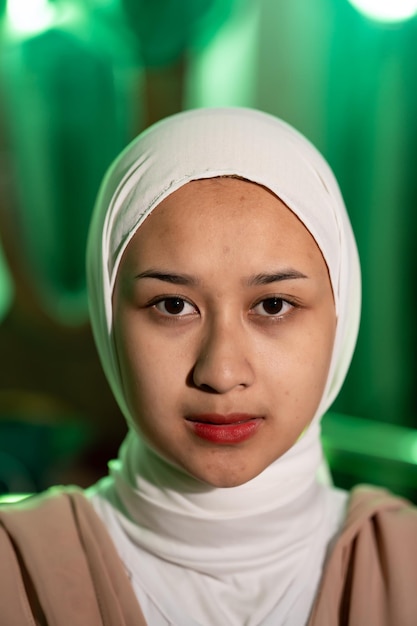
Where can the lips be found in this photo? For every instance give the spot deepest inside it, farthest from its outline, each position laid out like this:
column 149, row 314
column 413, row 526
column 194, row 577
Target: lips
column 233, row 428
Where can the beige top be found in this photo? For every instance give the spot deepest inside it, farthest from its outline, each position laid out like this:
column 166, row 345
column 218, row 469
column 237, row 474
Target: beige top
column 58, row 566
column 370, row 578
column 56, row 561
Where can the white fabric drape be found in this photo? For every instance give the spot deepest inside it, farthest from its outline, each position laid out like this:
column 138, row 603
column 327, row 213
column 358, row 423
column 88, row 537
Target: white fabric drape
column 254, row 553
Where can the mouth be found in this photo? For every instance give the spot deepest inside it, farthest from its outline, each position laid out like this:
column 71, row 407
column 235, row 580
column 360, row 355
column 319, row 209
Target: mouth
column 230, row 429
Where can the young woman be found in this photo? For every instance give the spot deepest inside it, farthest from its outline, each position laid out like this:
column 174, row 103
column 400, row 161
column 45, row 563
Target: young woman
column 225, row 294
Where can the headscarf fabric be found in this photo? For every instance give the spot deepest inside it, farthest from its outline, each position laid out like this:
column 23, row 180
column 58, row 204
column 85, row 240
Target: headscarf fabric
column 271, row 533
column 207, row 143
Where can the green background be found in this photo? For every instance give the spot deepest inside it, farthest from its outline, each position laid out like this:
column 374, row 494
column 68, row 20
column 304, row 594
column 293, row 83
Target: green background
column 348, row 83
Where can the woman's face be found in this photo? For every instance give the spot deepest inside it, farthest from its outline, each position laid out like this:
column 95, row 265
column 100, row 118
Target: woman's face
column 224, row 324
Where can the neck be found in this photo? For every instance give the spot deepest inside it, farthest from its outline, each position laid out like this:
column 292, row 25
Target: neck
column 173, row 505
column 263, row 542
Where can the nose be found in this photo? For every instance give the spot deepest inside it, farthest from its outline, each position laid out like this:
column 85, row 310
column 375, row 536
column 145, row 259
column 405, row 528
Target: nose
column 223, row 362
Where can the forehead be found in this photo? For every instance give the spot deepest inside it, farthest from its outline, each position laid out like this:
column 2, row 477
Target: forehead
column 218, row 200
column 224, row 213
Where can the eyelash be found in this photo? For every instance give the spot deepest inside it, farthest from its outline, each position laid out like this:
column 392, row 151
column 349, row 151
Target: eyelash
column 161, row 300
column 278, row 315
column 285, row 302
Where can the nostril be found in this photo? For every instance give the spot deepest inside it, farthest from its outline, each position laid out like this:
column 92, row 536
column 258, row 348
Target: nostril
column 207, row 388
column 192, row 381
column 212, row 377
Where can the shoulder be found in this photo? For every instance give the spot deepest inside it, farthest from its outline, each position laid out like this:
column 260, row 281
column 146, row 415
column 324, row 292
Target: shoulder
column 367, row 500
column 53, row 514
column 371, row 574
column 55, row 554
column 379, row 512
column 15, row 503
column 38, row 543
column 381, row 530
column 57, row 524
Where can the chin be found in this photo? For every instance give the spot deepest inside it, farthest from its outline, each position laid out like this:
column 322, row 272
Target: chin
column 226, row 478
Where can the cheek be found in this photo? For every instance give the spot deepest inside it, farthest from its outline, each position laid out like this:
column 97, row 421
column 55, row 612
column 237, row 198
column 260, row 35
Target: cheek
column 315, row 362
column 299, row 369
column 142, row 376
column 151, row 375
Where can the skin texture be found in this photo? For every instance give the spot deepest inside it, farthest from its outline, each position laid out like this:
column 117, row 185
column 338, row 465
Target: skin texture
column 223, row 342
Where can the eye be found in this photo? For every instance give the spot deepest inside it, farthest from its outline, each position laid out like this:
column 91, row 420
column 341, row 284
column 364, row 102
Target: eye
column 272, row 307
column 175, row 307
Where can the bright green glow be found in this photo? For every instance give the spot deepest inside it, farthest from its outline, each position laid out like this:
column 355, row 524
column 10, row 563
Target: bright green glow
column 10, row 498
column 413, row 449
column 29, row 16
column 215, row 77
column 387, row 442
column 386, row 10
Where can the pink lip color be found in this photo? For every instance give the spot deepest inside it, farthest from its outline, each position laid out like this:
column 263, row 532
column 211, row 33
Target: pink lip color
column 225, row 429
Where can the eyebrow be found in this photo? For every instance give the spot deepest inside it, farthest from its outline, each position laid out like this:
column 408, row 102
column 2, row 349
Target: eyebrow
column 168, row 277
column 264, row 278
column 274, row 277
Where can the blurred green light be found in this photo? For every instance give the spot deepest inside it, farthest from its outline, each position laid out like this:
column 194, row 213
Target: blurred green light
column 6, row 287
column 387, row 442
column 413, row 449
column 26, row 17
column 12, row 498
column 386, row 10
column 29, row 16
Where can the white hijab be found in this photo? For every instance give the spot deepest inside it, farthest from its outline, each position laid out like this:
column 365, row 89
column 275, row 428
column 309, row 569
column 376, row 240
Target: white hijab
column 250, row 554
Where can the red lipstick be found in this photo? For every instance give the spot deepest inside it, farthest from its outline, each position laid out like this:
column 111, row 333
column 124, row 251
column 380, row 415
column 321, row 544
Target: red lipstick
column 225, row 429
